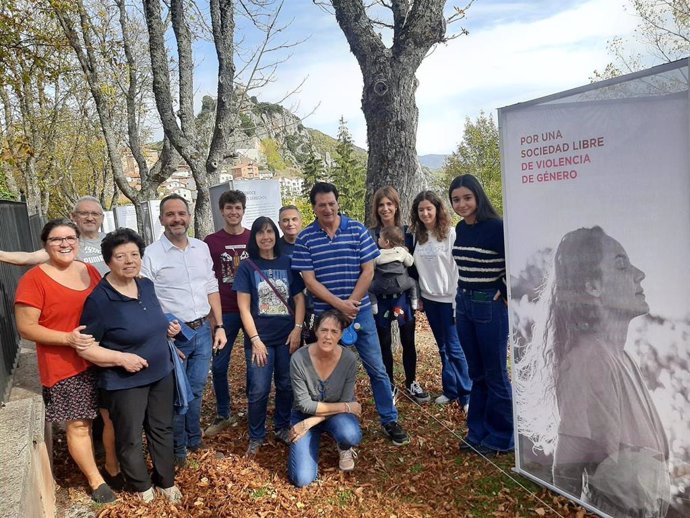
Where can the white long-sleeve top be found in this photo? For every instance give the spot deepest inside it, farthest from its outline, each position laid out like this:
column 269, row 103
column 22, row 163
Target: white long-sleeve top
column 438, row 275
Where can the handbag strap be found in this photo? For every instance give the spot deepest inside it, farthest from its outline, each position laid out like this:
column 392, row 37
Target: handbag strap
column 268, row 281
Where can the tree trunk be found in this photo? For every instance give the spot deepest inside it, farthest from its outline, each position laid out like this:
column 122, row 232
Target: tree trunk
column 391, row 114
column 388, row 96
column 33, row 191
column 223, row 26
column 180, row 127
column 92, row 68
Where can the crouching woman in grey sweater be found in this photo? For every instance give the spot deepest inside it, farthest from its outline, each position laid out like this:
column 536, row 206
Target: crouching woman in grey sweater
column 323, row 383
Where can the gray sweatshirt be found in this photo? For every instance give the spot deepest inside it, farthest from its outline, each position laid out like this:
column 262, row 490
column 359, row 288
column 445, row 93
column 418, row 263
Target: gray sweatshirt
column 308, row 389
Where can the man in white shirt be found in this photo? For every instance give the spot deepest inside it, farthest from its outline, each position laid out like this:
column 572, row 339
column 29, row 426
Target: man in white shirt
column 88, row 216
column 182, row 273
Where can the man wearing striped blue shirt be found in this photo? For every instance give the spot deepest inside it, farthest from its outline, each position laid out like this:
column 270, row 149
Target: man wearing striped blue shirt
column 336, row 257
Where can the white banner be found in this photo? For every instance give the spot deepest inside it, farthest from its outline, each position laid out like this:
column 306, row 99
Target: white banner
column 597, row 218
column 263, row 199
column 126, row 217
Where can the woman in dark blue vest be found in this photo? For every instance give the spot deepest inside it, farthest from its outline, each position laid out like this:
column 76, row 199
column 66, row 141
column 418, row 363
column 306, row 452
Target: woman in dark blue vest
column 123, row 314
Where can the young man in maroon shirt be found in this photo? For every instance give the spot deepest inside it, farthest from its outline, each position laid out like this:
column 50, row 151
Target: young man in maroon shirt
column 228, row 248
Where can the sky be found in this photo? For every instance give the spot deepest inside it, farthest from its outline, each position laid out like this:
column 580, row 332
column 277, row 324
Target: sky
column 515, row 51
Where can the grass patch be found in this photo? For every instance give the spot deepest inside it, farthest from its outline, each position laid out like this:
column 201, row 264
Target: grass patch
column 344, row 497
column 262, row 492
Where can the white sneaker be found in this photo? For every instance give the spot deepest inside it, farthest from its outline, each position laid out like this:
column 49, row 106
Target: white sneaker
column 395, row 395
column 148, row 495
column 347, row 459
column 375, row 308
column 417, row 392
column 172, row 493
column 442, row 400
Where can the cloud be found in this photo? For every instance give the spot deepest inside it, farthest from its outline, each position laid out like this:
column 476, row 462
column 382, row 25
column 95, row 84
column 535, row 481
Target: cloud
column 516, row 51
column 512, row 62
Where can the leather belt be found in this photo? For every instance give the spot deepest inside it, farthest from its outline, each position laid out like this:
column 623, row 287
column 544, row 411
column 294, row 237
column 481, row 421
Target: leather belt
column 196, row 324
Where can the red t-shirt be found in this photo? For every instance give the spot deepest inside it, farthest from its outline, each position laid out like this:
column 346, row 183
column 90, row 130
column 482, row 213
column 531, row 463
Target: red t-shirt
column 227, row 251
column 61, row 309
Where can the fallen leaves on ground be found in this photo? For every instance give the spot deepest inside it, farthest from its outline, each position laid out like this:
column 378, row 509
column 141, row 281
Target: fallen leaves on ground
column 427, row 478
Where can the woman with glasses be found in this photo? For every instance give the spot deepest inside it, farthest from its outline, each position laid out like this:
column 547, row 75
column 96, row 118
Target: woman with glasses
column 48, row 305
column 88, row 216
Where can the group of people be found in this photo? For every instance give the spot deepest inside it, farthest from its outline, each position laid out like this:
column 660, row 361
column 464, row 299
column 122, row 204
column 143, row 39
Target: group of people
column 179, row 304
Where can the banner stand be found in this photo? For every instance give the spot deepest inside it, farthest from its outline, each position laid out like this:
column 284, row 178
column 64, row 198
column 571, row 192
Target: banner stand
column 596, row 193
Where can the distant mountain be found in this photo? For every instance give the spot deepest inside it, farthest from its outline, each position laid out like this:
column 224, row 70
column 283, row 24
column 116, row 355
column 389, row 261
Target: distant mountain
column 433, row 162
column 279, row 138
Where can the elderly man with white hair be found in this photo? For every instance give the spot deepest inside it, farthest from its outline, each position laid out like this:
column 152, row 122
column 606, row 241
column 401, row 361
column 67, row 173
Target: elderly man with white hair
column 88, row 216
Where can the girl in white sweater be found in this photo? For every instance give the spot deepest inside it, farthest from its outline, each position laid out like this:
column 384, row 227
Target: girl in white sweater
column 438, row 279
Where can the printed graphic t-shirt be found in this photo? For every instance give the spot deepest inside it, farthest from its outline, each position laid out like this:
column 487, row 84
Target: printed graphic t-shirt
column 272, row 318
column 227, row 251
column 90, row 253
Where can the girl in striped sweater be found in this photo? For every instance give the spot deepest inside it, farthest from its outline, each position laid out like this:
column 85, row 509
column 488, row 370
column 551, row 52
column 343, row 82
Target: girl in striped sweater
column 482, row 316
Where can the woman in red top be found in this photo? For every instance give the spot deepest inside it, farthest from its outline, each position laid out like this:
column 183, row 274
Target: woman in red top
column 48, row 305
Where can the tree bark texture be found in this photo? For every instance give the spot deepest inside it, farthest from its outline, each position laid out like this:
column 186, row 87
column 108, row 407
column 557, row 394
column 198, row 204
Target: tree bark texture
column 388, row 95
column 182, row 135
column 223, row 26
column 82, row 42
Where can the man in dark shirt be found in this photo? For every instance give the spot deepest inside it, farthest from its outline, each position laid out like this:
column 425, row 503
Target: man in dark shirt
column 290, row 222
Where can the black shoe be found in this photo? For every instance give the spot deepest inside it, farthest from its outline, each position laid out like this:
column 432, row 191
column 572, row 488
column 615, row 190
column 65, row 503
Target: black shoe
column 396, row 434
column 467, row 445
column 486, row 452
column 197, row 447
column 116, row 482
column 103, row 494
column 180, row 462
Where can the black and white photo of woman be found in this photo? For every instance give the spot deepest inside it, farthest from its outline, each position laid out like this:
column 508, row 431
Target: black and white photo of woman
column 582, row 396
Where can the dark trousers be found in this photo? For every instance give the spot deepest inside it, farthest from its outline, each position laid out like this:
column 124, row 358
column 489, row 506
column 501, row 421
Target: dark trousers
column 150, row 407
column 409, row 352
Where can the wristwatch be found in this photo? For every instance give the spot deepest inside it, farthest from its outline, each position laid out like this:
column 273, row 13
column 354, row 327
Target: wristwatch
column 219, row 326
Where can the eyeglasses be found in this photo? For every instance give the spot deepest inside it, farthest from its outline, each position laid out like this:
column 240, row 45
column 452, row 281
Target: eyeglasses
column 84, row 214
column 57, row 241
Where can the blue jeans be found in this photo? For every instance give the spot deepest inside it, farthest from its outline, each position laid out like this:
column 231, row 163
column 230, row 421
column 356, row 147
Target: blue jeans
column 370, row 353
column 303, row 460
column 221, row 363
column 483, row 330
column 455, row 376
column 259, row 388
column 197, row 351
